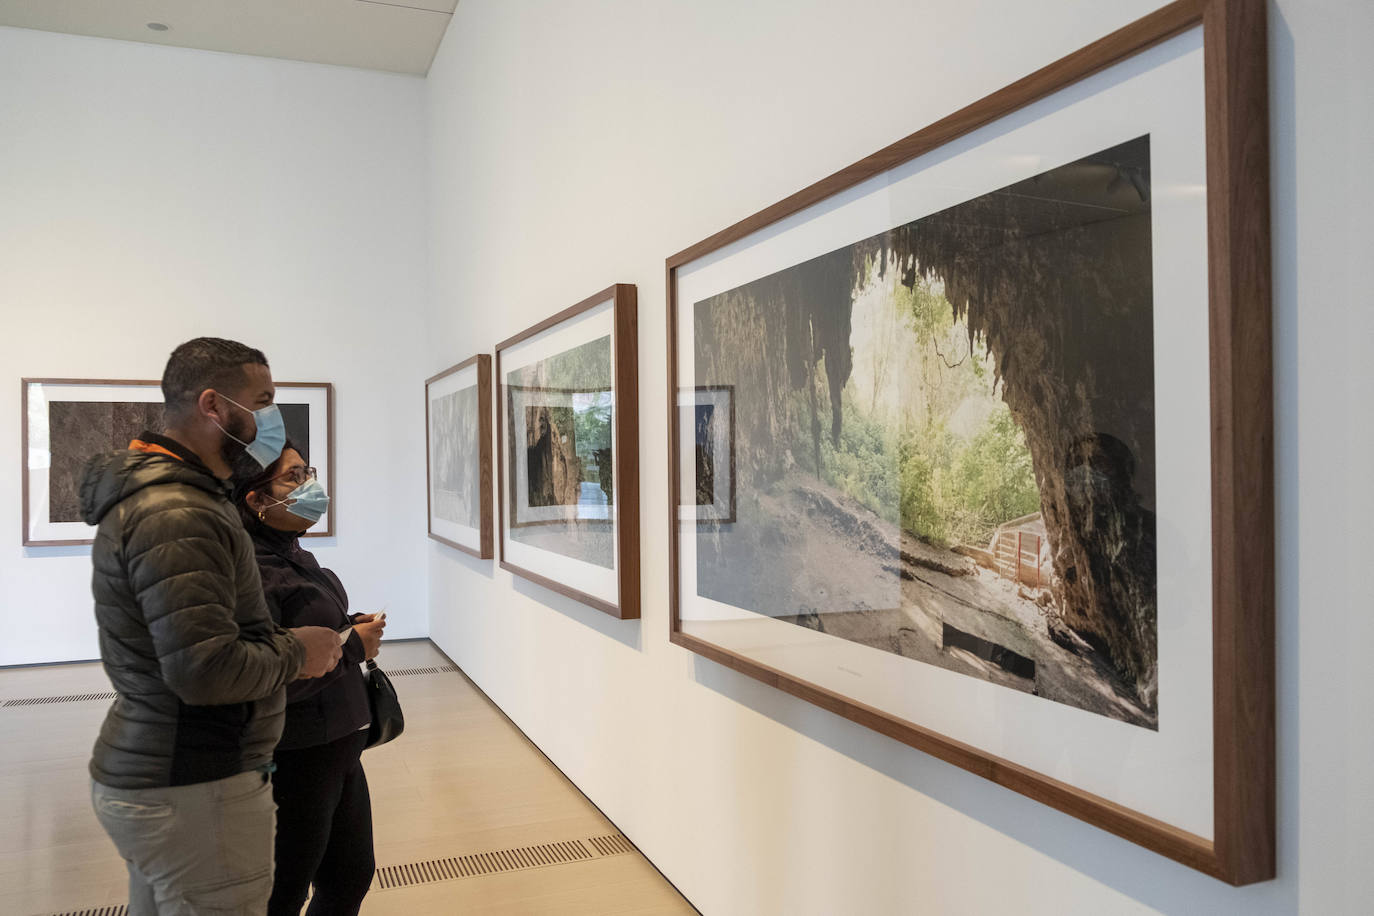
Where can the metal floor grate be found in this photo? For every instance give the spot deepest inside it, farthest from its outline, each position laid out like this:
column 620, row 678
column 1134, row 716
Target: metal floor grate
column 119, row 910
column 434, row 669
column 611, row 845
column 500, row 861
column 70, row 698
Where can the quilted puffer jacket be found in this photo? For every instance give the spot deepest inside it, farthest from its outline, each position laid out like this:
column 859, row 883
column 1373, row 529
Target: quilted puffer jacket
column 185, row 635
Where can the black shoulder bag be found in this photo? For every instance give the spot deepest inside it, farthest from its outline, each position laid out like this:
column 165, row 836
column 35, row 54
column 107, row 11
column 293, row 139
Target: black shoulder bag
column 387, row 719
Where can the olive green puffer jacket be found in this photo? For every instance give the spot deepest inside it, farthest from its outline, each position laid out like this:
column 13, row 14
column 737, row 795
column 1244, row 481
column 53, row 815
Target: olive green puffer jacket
column 185, row 634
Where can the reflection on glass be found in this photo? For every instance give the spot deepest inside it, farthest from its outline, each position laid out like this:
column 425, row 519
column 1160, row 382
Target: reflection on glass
column 560, row 454
column 454, row 458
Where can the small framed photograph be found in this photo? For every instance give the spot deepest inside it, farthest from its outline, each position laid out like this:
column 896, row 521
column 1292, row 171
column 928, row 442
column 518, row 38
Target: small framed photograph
column 458, row 456
column 568, row 464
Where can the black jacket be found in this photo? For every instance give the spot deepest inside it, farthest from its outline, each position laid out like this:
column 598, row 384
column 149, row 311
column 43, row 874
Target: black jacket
column 301, row 593
column 185, row 635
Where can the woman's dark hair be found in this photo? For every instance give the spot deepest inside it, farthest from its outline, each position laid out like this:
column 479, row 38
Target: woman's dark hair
column 247, row 482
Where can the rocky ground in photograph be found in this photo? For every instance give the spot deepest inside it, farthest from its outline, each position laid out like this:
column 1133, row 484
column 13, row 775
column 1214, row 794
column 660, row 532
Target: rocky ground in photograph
column 805, row 553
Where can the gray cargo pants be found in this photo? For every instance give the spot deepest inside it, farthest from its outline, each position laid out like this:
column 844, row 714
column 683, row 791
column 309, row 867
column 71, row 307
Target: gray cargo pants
column 197, row 849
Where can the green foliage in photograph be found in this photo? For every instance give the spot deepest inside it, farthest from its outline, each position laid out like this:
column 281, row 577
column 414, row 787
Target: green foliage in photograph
column 993, row 478
column 907, row 461
column 593, row 426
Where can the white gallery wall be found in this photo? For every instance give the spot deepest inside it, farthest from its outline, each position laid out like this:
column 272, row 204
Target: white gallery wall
column 149, row 195
column 577, row 144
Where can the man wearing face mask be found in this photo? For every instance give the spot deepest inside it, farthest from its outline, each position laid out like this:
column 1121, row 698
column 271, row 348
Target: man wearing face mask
column 180, row 769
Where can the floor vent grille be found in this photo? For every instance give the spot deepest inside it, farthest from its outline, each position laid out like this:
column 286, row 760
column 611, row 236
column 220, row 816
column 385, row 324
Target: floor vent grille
column 70, row 698
column 120, row 910
column 434, row 669
column 500, row 861
column 611, row 845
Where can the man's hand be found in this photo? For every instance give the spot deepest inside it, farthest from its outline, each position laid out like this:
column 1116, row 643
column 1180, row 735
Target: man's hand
column 369, row 630
column 322, row 650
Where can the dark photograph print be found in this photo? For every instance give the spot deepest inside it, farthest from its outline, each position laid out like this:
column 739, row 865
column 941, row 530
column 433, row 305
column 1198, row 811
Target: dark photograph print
column 943, row 439
column 711, row 418
column 455, row 462
column 705, row 423
column 560, row 415
column 79, row 429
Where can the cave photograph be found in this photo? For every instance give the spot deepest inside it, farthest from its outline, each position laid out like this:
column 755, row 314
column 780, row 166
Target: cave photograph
column 943, row 439
column 559, row 431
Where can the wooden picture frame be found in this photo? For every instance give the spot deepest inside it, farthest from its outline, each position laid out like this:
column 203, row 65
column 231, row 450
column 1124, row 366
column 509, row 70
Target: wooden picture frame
column 479, row 367
column 615, row 589
column 37, row 532
column 1238, row 373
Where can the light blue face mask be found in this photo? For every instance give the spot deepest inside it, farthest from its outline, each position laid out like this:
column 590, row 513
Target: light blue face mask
column 267, row 444
column 311, row 501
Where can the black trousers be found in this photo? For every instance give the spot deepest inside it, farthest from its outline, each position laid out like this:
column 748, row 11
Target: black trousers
column 324, row 829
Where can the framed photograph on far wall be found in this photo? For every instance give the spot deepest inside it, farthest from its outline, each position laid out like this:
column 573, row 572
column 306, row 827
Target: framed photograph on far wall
column 1001, row 440
column 458, row 456
column 64, row 422
column 567, row 432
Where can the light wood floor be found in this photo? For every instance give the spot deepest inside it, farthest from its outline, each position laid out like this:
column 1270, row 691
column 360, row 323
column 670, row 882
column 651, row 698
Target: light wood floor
column 460, row 782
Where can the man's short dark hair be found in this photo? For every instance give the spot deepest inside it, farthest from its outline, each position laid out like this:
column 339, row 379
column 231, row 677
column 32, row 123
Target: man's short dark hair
column 206, row 362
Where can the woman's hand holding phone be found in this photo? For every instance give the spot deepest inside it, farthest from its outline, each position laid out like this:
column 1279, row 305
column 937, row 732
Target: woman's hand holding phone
column 370, row 628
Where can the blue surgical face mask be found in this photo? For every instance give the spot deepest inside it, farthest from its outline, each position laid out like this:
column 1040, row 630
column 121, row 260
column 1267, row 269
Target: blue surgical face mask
column 267, row 444
column 311, row 501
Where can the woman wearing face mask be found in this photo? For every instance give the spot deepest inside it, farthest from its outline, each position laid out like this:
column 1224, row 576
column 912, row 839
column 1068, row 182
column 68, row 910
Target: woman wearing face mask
column 324, row 813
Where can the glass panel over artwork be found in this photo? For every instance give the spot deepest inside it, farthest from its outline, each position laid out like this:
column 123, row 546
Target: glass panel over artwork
column 454, row 444
column 560, row 411
column 951, row 455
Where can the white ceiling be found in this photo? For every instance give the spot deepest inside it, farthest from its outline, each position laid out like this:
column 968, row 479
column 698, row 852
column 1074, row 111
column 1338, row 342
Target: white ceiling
column 396, row 35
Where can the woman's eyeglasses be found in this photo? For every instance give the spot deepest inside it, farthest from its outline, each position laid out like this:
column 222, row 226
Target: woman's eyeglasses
column 297, row 476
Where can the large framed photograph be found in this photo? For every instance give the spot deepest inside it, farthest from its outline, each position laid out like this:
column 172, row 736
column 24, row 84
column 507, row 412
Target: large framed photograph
column 568, row 452
column 458, row 456
column 1001, row 440
column 66, row 421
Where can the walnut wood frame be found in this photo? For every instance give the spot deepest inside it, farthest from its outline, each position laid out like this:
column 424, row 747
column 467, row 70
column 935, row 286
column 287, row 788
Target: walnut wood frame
column 1237, row 138
column 626, row 432
column 74, row 542
column 486, row 550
